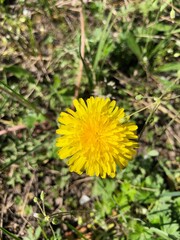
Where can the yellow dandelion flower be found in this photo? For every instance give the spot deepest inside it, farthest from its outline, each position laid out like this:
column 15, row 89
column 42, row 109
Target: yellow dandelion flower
column 96, row 137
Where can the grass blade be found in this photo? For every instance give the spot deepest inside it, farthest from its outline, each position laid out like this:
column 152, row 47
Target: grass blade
column 132, row 44
column 160, row 233
column 18, row 97
column 171, row 194
column 174, row 66
column 102, row 41
column 9, row 234
column 75, row 230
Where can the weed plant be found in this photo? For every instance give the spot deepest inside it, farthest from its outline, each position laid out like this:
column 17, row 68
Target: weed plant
column 54, row 51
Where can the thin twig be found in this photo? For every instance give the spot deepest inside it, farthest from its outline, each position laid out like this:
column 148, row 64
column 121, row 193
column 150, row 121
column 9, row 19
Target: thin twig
column 82, row 51
column 12, row 129
column 28, row 188
column 2, row 213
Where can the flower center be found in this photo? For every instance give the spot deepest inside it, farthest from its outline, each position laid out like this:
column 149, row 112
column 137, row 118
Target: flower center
column 92, row 136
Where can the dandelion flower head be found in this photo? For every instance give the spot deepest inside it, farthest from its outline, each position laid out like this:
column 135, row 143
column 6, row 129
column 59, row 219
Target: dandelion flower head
column 96, row 137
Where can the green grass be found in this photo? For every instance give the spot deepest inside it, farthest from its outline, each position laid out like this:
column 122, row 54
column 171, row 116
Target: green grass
column 131, row 51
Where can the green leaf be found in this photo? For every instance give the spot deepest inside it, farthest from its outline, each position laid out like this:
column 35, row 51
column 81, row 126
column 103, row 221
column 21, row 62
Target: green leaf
column 103, row 41
column 169, row 174
column 153, row 153
column 42, row 196
column 19, row 72
column 171, row 194
column 32, row 118
column 75, row 230
column 4, row 87
column 172, row 14
column 57, row 82
column 139, row 97
column 157, row 49
column 132, row 44
column 172, row 230
column 9, row 234
column 161, row 27
column 160, row 233
column 174, row 66
column 164, row 5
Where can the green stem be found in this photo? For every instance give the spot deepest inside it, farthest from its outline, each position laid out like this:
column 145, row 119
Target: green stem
column 75, row 230
column 157, row 103
column 52, row 231
column 42, row 229
column 149, row 118
column 5, row 88
column 9, row 234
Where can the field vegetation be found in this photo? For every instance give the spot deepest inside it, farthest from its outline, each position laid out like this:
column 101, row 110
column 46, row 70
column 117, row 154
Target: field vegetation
column 53, row 51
